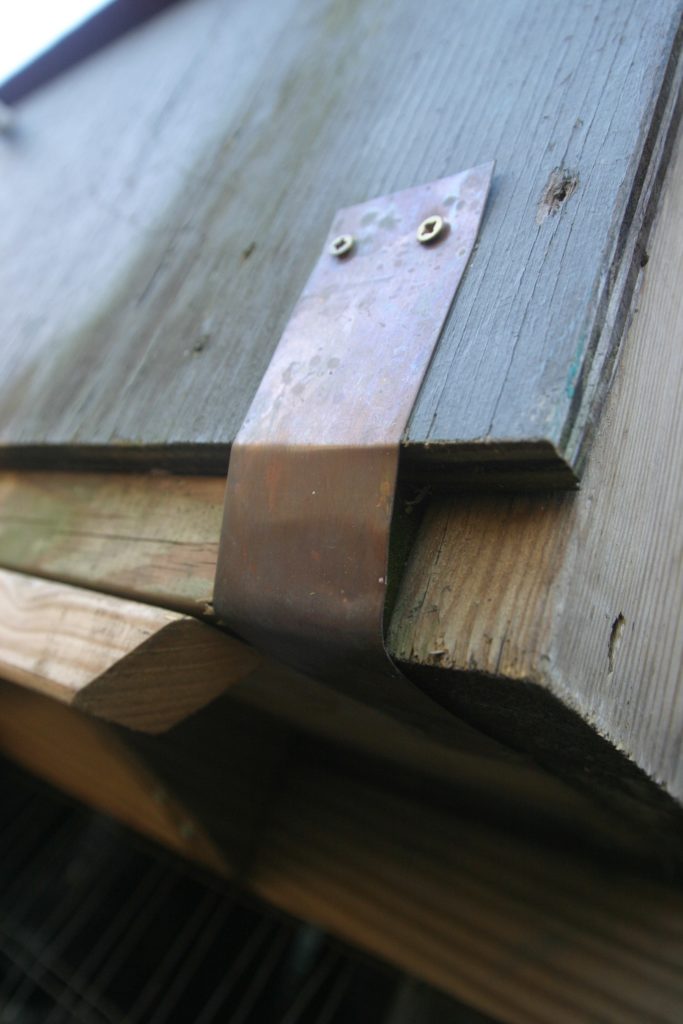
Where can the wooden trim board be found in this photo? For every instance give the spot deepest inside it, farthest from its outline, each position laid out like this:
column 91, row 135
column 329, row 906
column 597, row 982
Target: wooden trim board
column 512, row 600
column 148, row 669
column 134, row 664
column 86, row 759
column 524, row 931
column 152, row 537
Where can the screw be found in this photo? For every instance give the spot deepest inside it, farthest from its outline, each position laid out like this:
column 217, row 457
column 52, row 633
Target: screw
column 430, row 229
column 342, row 245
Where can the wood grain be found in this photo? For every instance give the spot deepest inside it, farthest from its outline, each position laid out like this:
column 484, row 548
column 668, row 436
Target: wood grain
column 87, row 760
column 515, row 925
column 517, row 930
column 509, row 602
column 153, row 537
column 149, row 274
column 474, row 773
column 141, row 666
column 577, row 595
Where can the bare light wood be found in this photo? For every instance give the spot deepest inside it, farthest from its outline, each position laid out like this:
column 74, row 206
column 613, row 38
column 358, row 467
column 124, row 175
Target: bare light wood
column 132, row 663
column 153, row 536
column 87, row 760
column 578, row 595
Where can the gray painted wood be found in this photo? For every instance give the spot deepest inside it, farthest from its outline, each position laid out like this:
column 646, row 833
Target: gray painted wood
column 162, row 205
column 555, row 623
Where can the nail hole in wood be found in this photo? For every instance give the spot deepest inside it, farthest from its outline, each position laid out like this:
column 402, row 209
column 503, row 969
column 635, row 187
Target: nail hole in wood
column 614, row 641
column 561, row 185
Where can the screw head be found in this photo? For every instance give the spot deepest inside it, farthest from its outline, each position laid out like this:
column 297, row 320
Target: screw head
column 341, row 245
column 430, row 229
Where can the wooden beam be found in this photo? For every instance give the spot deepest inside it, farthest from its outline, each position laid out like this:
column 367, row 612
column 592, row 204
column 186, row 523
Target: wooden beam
column 471, row 770
column 524, row 932
column 141, row 666
column 87, row 760
column 521, row 928
column 152, row 537
column 513, row 601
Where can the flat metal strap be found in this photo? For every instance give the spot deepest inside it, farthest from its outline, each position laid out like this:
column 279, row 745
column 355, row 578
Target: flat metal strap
column 302, row 569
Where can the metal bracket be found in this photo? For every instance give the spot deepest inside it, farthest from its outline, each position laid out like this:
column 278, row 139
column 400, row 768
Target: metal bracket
column 302, row 568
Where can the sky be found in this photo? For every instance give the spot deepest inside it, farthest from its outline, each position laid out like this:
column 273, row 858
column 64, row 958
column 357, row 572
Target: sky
column 28, row 27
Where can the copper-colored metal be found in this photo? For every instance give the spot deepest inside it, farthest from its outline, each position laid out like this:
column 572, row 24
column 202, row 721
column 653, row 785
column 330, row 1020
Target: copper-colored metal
column 302, row 570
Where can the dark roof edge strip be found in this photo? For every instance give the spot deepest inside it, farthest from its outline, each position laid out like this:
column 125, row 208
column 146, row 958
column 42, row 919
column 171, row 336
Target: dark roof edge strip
column 92, row 35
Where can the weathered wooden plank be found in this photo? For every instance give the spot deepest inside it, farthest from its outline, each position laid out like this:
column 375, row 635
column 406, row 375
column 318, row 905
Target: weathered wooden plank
column 141, row 666
column 575, row 596
column 152, row 537
column 149, row 275
column 155, row 538
column 86, row 526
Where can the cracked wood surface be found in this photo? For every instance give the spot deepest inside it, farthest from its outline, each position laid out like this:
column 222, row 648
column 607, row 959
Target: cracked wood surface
column 156, row 237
